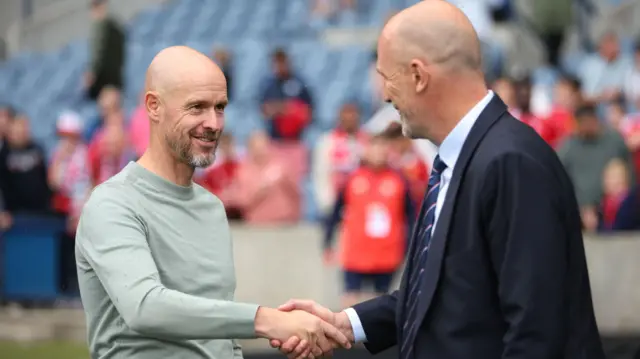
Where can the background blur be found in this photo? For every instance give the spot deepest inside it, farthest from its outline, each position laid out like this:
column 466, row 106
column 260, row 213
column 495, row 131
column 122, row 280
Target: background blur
column 304, row 97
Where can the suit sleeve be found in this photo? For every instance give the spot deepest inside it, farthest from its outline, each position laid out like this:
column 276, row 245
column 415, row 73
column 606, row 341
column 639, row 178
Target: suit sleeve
column 378, row 318
column 528, row 247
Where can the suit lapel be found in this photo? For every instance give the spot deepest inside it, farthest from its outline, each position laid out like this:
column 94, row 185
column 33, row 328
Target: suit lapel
column 487, row 118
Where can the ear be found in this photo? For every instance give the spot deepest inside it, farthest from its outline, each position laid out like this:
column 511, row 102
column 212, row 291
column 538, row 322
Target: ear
column 152, row 105
column 419, row 75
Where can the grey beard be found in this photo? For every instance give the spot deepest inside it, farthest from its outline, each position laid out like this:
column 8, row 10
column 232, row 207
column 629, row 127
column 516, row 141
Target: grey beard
column 185, row 155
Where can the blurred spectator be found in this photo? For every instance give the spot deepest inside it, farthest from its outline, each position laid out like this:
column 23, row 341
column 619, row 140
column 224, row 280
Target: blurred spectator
column 504, row 88
column 336, row 155
column 7, row 113
column 552, row 19
column 223, row 59
column 603, row 75
column 404, row 157
column 377, row 211
column 586, row 153
column 6, row 117
column 616, row 114
column 110, row 108
column 286, row 101
column 107, row 51
column 377, row 97
column 632, row 85
column 567, row 97
column 479, row 13
column 139, row 127
column 628, row 216
column 219, row 178
column 629, row 127
column 24, row 171
column 615, row 181
column 324, row 11
column 113, row 154
column 69, row 179
column 265, row 189
column 523, row 93
column 69, row 170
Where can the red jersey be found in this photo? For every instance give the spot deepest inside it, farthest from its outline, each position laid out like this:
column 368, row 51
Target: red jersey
column 376, row 208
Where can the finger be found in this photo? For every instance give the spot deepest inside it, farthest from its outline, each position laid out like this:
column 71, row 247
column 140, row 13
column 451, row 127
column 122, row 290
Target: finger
column 275, row 343
column 303, row 350
column 333, row 333
column 317, row 351
column 291, row 344
column 324, row 344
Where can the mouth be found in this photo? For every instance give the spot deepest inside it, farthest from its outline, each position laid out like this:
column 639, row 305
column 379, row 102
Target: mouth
column 206, row 141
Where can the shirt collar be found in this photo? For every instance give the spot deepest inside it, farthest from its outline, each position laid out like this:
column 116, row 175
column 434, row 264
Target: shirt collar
column 450, row 148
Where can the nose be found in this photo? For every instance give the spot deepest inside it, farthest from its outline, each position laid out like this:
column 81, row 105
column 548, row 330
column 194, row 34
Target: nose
column 214, row 121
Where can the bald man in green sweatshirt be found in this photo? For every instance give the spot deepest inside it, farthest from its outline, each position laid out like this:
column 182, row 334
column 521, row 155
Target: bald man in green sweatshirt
column 154, row 252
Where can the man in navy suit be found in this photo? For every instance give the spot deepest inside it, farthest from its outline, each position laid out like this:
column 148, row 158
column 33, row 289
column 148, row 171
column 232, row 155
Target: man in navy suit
column 496, row 266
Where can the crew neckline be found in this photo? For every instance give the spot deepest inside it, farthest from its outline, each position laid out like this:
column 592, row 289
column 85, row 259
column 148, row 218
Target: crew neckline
column 182, row 192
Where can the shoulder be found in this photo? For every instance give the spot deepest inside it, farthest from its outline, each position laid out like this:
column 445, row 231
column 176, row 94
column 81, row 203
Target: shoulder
column 202, row 193
column 512, row 146
column 112, row 197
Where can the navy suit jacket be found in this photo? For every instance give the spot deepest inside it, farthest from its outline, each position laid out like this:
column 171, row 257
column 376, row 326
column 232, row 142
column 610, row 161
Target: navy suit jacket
column 506, row 275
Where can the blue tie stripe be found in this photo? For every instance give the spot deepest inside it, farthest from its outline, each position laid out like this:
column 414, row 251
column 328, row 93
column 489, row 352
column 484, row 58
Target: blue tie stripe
column 419, row 258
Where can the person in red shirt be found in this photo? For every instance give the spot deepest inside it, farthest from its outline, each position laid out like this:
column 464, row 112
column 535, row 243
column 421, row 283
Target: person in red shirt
column 376, row 210
column 566, row 99
column 523, row 112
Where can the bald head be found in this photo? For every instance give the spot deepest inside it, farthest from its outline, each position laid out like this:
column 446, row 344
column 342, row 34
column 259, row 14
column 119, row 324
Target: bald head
column 436, row 31
column 185, row 98
column 175, row 66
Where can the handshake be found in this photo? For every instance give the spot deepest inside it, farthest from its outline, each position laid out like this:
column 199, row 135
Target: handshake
column 304, row 329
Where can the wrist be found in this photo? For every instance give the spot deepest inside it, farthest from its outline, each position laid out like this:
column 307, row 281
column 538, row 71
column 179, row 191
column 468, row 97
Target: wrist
column 263, row 321
column 342, row 322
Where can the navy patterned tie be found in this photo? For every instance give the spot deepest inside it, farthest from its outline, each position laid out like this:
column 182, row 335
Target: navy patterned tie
column 419, row 259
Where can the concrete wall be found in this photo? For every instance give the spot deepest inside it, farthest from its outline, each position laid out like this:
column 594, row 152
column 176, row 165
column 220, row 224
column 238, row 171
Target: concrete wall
column 276, row 264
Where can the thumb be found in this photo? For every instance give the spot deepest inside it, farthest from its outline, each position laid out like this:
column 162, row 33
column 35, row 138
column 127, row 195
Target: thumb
column 299, row 304
column 288, row 306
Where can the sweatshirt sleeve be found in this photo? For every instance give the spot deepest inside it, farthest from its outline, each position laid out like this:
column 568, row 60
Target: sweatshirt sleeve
column 112, row 240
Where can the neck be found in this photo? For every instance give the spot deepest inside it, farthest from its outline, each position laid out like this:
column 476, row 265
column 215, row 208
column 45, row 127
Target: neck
column 161, row 162
column 452, row 104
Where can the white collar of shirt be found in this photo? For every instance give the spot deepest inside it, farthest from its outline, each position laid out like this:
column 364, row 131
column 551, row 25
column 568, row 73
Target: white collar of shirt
column 450, row 148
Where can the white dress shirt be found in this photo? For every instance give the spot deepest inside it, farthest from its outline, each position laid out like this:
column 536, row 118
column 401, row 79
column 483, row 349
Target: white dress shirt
column 449, row 152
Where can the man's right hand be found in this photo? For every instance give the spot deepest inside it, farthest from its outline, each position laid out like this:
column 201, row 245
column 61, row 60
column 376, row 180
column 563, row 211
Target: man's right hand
column 312, row 335
column 294, row 347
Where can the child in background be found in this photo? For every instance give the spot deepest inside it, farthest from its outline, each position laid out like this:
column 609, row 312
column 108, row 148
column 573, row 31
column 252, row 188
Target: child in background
column 615, row 181
column 376, row 211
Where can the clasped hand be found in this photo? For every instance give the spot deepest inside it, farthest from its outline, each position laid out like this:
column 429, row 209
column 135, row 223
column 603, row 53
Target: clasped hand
column 332, row 330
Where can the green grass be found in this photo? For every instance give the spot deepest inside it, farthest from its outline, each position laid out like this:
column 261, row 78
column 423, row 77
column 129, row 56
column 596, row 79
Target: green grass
column 45, row 350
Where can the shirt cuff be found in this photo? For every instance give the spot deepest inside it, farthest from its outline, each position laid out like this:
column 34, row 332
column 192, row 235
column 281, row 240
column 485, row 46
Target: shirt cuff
column 356, row 325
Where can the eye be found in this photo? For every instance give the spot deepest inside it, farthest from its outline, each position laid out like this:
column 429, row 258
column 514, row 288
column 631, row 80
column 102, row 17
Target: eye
column 220, row 107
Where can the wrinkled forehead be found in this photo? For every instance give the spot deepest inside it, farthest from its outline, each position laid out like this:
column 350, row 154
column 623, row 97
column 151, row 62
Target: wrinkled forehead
column 208, row 88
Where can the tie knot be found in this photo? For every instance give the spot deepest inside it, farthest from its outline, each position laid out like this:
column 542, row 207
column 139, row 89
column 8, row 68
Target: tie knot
column 439, row 165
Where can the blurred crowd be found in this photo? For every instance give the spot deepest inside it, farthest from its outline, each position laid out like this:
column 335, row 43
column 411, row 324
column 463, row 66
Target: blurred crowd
column 591, row 117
